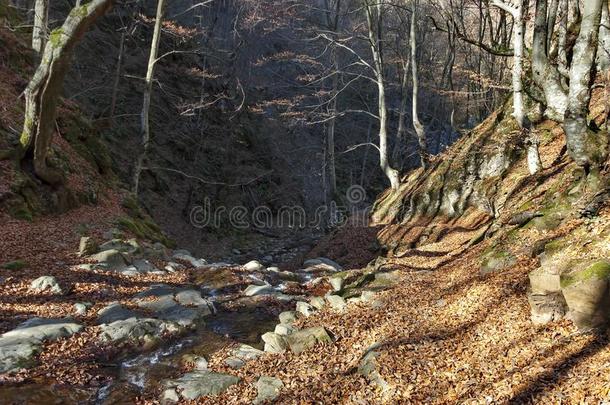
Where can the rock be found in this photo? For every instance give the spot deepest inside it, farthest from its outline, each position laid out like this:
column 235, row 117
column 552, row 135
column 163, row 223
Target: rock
column 288, row 317
column 19, row 346
column 323, row 262
column 246, row 352
column 18, row 353
column 307, row 338
column 587, row 294
column 336, row 283
column 274, row 343
column 547, row 307
column 201, row 383
column 234, row 362
column 110, row 260
column 80, row 308
column 369, row 368
column 523, row 218
column 87, row 246
column 44, row 329
column 253, row 265
column 157, row 290
column 46, row 283
column 253, row 290
column 173, row 267
column 368, row 296
column 236, row 251
column 169, row 396
column 304, row 308
column 268, row 389
column 144, row 266
column 114, row 312
column 183, row 252
column 336, row 302
column 193, row 298
column 130, row 246
column 284, row 330
column 140, row 332
column 317, row 302
column 495, row 261
column 200, row 362
column 196, row 263
column 545, row 280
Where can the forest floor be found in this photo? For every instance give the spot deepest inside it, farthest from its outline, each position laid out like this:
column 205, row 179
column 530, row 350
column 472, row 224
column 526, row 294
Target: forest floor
column 444, row 334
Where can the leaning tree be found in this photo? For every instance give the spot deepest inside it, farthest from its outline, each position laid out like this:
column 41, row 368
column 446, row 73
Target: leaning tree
column 44, row 90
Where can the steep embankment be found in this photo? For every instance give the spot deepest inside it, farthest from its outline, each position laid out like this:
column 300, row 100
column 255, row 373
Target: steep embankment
column 450, row 319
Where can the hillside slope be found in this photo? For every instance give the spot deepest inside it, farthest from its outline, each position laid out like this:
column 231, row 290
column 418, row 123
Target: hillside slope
column 450, row 321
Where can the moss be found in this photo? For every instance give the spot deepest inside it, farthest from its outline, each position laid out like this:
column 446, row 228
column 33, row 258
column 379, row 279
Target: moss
column 495, row 260
column 80, row 11
column 55, row 37
column 15, row 265
column 554, row 247
column 599, row 271
column 144, row 229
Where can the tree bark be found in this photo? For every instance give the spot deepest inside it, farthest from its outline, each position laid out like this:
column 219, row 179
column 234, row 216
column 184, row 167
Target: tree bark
column 43, row 91
column 39, row 30
column 580, row 148
column 374, row 13
column 419, row 128
column 145, row 121
column 545, row 74
column 117, row 78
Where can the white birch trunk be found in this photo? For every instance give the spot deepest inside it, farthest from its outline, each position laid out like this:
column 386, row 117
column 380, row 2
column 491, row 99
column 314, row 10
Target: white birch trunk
column 145, row 123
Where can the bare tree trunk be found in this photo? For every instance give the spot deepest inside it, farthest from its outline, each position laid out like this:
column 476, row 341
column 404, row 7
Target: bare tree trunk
column 332, row 14
column 603, row 48
column 39, row 30
column 43, row 91
column 374, row 13
column 545, row 74
column 580, row 148
column 145, row 122
column 402, row 128
column 419, row 128
column 117, row 77
column 534, row 163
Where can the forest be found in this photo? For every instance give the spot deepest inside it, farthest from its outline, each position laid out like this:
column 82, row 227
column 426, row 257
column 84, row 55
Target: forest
column 304, row 202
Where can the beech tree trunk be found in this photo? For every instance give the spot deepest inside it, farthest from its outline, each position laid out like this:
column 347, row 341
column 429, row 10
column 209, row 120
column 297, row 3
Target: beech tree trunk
column 580, row 148
column 145, row 122
column 39, row 30
column 546, row 75
column 374, row 13
column 419, row 128
column 534, row 163
column 44, row 90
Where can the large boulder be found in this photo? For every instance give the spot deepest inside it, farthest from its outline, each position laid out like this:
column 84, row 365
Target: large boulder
column 19, row 347
column 201, row 383
column 587, row 294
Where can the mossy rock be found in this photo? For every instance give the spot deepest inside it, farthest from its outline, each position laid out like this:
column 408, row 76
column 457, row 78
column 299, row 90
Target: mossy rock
column 496, row 260
column 145, row 229
column 15, row 265
column 599, row 271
